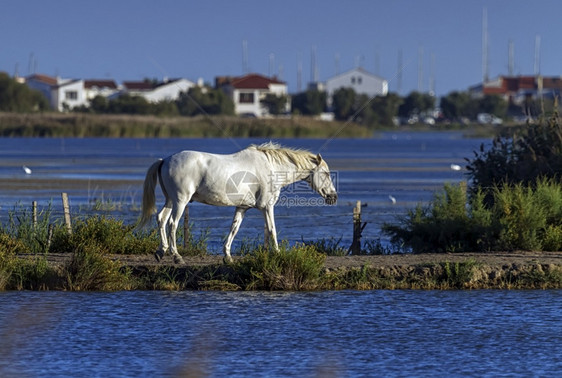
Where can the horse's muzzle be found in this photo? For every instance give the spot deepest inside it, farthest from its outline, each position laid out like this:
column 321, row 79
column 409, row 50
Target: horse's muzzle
column 331, row 199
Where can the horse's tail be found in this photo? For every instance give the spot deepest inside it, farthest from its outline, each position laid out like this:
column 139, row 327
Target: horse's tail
column 148, row 193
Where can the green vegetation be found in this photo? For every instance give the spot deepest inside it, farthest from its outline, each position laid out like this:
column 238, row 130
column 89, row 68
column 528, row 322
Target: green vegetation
column 161, row 119
column 91, row 259
column 17, row 97
column 520, row 218
column 523, row 156
column 82, row 125
column 514, row 202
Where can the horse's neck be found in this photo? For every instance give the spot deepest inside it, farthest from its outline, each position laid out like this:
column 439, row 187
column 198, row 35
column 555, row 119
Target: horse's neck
column 283, row 175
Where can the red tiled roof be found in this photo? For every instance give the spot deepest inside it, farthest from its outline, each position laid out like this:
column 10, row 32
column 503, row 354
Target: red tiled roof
column 100, row 84
column 43, row 79
column 513, row 84
column 253, row 81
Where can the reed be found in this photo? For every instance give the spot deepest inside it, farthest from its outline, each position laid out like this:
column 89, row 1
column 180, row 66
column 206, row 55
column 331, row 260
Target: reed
column 138, row 126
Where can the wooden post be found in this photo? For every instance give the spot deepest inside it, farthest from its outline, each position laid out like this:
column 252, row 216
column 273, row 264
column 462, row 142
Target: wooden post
column 66, row 209
column 34, row 212
column 186, row 226
column 358, row 227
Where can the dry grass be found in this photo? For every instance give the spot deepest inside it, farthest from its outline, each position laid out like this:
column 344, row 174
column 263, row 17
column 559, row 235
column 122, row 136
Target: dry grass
column 137, row 126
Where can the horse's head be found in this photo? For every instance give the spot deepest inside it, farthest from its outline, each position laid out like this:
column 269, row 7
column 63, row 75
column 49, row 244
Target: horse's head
column 321, row 181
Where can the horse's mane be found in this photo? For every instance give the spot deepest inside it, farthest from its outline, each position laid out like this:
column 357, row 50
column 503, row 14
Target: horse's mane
column 276, row 153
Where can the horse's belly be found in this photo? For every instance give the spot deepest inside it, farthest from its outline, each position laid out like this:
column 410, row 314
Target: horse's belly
column 225, row 199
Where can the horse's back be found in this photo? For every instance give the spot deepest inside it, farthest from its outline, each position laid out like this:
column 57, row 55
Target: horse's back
column 206, row 177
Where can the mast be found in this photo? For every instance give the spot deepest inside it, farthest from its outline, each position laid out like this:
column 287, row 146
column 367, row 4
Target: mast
column 485, row 66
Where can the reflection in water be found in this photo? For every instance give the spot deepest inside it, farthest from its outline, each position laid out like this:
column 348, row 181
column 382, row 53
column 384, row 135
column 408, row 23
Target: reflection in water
column 348, row 333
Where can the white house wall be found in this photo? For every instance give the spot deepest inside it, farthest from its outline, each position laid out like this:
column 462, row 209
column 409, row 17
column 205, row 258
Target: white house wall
column 247, row 108
column 360, row 81
column 71, row 94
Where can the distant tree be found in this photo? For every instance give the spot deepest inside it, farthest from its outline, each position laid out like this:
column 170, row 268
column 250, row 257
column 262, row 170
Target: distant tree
column 164, row 108
column 386, row 108
column 17, row 97
column 344, row 103
column 128, row 104
column 493, row 104
column 275, row 104
column 416, row 103
column 310, row 102
column 204, row 100
column 99, row 104
column 459, row 104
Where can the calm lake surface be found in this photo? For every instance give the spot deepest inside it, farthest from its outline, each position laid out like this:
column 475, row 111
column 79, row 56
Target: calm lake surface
column 410, row 167
column 259, row 334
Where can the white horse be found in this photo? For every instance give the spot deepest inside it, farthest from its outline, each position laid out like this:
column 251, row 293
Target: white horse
column 250, row 178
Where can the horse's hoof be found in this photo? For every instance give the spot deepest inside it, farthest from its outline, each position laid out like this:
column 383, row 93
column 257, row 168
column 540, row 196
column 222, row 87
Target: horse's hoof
column 227, row 260
column 158, row 255
column 178, row 259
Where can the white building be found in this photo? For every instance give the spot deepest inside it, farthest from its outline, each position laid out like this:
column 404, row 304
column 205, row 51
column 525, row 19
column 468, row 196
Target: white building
column 361, row 81
column 247, row 92
column 62, row 94
column 105, row 88
column 168, row 90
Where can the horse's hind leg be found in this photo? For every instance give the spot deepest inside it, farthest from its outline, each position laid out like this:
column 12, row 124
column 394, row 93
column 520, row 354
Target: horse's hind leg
column 163, row 217
column 174, row 220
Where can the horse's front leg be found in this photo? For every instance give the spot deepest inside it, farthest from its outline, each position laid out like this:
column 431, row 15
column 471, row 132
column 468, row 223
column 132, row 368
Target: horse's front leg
column 270, row 234
column 236, row 222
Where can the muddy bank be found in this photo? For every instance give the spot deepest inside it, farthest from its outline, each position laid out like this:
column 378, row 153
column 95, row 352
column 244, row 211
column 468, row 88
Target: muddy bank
column 346, row 262
column 517, row 270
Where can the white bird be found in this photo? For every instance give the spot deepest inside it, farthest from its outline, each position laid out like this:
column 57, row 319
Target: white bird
column 27, row 170
column 455, row 167
column 392, row 199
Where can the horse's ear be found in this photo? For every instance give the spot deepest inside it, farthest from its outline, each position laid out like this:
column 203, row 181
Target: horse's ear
column 318, row 159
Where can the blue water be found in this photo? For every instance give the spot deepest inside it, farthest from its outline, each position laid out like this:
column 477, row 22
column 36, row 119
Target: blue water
column 410, row 167
column 261, row 334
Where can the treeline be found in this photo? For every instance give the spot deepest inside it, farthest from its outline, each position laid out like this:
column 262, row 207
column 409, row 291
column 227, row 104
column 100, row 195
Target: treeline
column 18, row 97
column 345, row 104
column 197, row 101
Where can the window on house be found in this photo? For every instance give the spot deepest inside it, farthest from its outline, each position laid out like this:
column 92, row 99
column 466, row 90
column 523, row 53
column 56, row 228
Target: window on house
column 359, row 80
column 246, row 98
column 353, row 80
column 71, row 95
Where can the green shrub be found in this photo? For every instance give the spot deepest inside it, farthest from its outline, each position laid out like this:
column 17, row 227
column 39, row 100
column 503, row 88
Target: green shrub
column 552, row 240
column 443, row 226
column 34, row 274
column 109, row 235
column 520, row 217
column 296, row 268
column 91, row 269
column 457, row 275
column 523, row 156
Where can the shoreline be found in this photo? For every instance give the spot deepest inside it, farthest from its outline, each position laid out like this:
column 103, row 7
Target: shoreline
column 464, row 271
